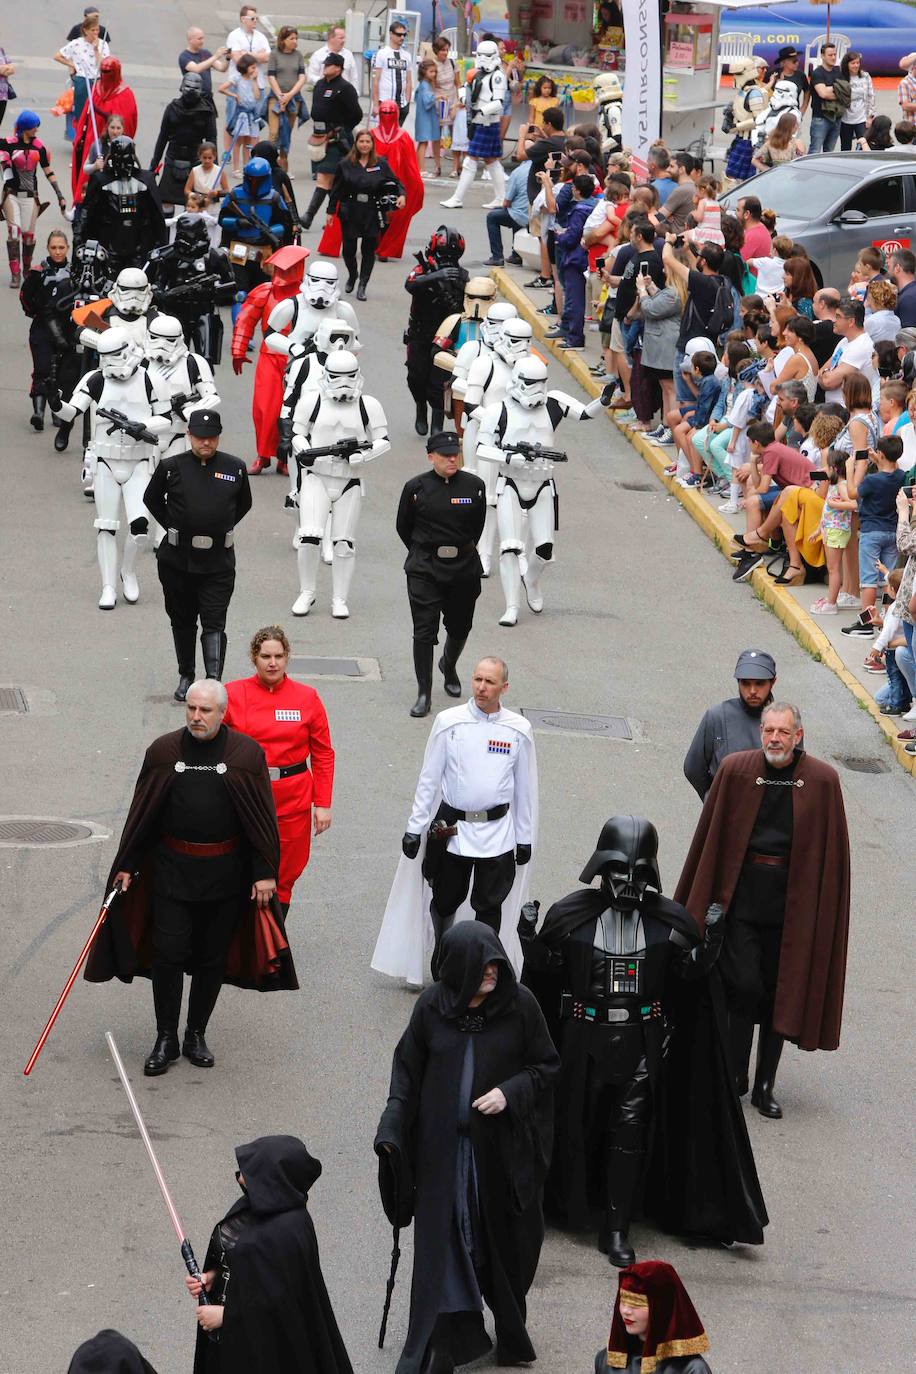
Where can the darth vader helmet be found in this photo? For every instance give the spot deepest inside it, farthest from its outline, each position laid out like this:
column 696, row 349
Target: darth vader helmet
column 122, row 157
column 626, row 856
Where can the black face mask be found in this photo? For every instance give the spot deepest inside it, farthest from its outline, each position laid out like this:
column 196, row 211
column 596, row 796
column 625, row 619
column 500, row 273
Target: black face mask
column 189, row 99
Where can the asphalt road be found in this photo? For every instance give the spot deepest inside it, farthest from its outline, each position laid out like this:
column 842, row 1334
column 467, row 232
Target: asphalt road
column 641, row 621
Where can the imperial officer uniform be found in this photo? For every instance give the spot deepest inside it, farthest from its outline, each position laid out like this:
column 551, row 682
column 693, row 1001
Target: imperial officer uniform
column 440, row 519
column 198, row 501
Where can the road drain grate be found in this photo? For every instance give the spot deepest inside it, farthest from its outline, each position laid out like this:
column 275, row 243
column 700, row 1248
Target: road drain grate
column 38, row 830
column 569, row 722
column 13, row 700
column 860, row 765
column 325, row 667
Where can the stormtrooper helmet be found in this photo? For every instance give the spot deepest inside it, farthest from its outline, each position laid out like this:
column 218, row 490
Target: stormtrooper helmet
column 487, row 56
column 514, row 341
column 478, row 293
column 528, row 384
column 132, row 294
column 166, row 340
column 491, row 328
column 333, row 335
column 608, row 88
column 341, row 378
column 119, row 354
column 320, row 285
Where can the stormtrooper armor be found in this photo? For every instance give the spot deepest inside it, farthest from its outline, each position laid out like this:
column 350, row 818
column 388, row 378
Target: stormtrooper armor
column 186, row 378
column 484, row 99
column 300, row 316
column 132, row 305
column 610, row 104
column 529, row 414
column 326, row 485
column 121, row 464
column 783, row 100
column 490, row 329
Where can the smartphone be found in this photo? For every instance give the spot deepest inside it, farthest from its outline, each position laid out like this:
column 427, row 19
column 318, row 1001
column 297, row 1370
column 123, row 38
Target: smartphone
column 818, row 476
column 908, row 492
column 599, row 264
column 861, row 455
column 643, row 269
column 679, row 241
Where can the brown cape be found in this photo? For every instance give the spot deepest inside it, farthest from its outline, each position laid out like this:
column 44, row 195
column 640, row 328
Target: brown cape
column 259, row 956
column 812, row 961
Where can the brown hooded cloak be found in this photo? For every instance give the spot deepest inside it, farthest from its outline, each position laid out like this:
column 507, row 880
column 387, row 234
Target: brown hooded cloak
column 259, row 956
column 812, row 961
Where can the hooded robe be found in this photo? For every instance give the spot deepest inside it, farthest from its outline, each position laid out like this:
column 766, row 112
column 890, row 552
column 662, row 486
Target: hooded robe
column 109, row 96
column 812, row 961
column 449, row 1056
column 675, row 1340
column 398, row 149
column 259, row 956
column 109, row 1353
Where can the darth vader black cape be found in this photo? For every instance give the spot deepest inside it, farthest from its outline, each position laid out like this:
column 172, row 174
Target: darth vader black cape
column 109, row 1353
column 700, row 1178
column 511, row 1149
column 277, row 1318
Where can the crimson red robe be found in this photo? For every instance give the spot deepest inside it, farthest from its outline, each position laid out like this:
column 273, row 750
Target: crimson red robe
column 400, row 152
column 109, row 96
column 290, row 724
column 288, row 265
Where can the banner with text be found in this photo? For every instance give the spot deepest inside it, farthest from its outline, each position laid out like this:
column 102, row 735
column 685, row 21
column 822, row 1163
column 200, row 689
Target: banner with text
column 642, row 91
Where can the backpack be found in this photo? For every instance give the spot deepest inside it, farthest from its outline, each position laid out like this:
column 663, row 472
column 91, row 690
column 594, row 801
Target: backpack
column 721, row 316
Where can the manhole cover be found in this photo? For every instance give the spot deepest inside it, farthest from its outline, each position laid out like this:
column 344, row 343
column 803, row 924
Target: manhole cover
column 26, row 832
column 325, row 667
column 13, row 699
column 637, row 486
column 856, row 765
column 608, row 727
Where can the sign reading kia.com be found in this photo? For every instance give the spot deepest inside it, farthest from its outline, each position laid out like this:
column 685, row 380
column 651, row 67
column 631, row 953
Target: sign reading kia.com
column 890, row 245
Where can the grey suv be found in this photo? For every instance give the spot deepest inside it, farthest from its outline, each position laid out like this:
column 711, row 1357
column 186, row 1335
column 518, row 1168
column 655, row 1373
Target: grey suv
column 834, row 204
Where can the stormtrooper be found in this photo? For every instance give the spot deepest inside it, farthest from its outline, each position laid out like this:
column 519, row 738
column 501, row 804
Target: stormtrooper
column 295, row 320
column 335, row 430
column 185, row 377
column 460, row 364
column 487, row 383
column 463, row 327
column 130, row 409
column 132, row 306
column 783, row 100
column 517, row 434
column 122, row 209
column 610, row 105
column 484, row 97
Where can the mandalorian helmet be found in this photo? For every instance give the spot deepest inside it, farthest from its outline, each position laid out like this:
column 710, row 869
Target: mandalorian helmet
column 528, row 383
column 626, row 856
column 122, row 157
column 491, row 327
column 487, row 56
column 478, row 293
column 132, row 294
column 256, row 177
column 445, row 246
column 321, row 284
column 119, row 354
column 166, row 340
column 333, row 335
column 191, row 237
column 514, row 341
column 341, row 379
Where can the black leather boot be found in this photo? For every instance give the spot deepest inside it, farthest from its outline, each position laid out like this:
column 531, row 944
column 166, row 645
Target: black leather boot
column 740, row 1036
column 315, row 204
column 37, row 418
column 164, row 1052
column 62, row 437
column 185, row 642
column 769, row 1049
column 440, row 925
column 213, row 647
column 423, row 667
column 448, row 665
column 421, row 423
column 621, row 1172
column 195, row 1048
column 437, row 421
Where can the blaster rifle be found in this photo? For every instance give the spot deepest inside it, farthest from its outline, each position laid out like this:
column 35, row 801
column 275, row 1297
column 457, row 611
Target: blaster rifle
column 343, row 448
column 181, row 400
column 534, row 453
column 135, row 429
column 253, row 222
column 187, row 288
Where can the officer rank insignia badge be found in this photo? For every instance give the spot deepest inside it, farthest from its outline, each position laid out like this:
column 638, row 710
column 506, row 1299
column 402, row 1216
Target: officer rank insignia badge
column 287, row 715
column 499, row 746
column 462, row 500
column 225, row 476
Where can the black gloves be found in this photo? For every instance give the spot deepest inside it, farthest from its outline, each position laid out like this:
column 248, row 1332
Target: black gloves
column 529, row 914
column 53, row 398
column 410, row 845
column 522, row 854
column 714, row 915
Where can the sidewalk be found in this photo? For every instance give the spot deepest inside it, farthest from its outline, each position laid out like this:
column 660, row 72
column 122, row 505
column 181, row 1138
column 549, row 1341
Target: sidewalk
column 843, row 654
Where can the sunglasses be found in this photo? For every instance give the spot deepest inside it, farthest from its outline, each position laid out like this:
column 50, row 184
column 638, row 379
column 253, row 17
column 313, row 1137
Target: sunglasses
column 399, row 33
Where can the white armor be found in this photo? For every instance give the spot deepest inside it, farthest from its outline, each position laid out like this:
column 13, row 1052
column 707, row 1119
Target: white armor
column 132, row 305
column 610, row 106
column 530, row 413
column 326, row 485
column 318, row 300
column 490, row 330
column 183, row 374
column 121, row 466
column 486, row 95
column 784, row 100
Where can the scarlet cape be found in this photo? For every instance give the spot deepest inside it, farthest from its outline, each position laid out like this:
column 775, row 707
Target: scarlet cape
column 812, row 961
column 259, row 956
column 398, row 149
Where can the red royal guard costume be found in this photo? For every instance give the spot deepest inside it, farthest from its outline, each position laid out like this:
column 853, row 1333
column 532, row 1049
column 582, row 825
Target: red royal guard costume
column 290, row 724
column 398, row 149
column 288, row 265
column 109, row 96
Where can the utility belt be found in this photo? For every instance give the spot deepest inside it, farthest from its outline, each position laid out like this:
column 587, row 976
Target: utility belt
column 444, row 826
column 200, row 541
column 768, row 860
column 201, row 851
column 275, row 774
column 605, row 1013
column 447, row 552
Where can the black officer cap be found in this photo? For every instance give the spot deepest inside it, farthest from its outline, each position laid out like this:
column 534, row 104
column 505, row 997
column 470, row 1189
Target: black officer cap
column 204, row 423
column 445, row 442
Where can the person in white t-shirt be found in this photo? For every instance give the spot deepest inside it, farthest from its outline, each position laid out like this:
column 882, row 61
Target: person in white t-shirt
column 248, row 38
column 335, row 44
column 392, row 72
column 852, row 354
column 740, row 414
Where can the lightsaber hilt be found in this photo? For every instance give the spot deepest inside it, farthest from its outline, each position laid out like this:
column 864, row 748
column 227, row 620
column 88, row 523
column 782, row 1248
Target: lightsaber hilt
column 193, row 1268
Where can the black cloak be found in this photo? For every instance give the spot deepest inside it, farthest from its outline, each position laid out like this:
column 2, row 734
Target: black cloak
column 511, row 1150
column 109, row 1353
column 701, row 1178
column 278, row 1316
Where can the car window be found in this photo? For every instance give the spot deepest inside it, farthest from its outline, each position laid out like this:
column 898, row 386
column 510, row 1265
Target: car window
column 797, row 189
column 883, row 196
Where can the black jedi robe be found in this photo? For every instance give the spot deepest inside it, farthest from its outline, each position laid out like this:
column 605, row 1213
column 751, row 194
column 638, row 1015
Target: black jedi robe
column 109, row 1353
column 701, row 1178
column 278, row 1317
column 513, row 1051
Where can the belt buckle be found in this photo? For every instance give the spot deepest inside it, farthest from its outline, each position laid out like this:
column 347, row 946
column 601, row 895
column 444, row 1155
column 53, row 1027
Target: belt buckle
column 172, row 536
column 617, row 1014
column 447, row 551
column 475, row 815
column 274, row 774
column 201, row 541
column 362, row 196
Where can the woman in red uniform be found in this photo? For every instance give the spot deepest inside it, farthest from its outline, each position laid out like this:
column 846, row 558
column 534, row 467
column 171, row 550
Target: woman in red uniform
column 289, row 722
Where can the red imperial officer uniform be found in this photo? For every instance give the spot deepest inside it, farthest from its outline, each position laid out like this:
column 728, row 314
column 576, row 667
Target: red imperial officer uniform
column 290, row 724
column 288, row 264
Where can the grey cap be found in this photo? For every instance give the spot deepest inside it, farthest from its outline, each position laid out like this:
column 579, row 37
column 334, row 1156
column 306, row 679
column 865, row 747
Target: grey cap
column 905, row 338
column 755, row 663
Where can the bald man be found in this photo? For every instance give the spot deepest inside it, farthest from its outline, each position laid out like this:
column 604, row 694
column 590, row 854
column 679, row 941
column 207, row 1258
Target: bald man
column 196, row 58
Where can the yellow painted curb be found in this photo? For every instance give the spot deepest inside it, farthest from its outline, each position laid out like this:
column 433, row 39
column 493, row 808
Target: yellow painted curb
column 796, row 620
